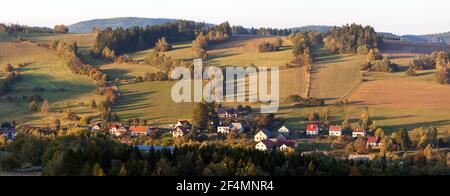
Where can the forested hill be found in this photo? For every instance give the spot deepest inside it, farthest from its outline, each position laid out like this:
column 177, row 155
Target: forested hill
column 127, row 22
column 441, row 38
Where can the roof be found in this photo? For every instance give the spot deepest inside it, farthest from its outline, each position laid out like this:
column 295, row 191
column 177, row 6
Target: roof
column 269, row 143
column 312, row 127
column 359, row 131
column 117, row 126
column 7, row 130
column 372, row 140
column 266, row 132
column 288, row 143
column 335, row 128
column 236, row 126
column 285, row 126
column 183, row 129
column 139, row 129
column 229, row 111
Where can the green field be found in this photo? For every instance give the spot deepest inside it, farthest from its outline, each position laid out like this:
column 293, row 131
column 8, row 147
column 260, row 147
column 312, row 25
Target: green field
column 151, row 101
column 44, row 69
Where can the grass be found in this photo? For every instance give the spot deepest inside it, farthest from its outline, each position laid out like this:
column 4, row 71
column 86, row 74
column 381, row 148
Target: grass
column 334, row 76
column 127, row 70
column 45, row 70
column 151, row 101
column 242, row 51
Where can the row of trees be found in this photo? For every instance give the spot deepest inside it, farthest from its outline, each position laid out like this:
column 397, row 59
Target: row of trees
column 79, row 153
column 438, row 60
column 15, row 29
column 136, row 38
column 69, row 54
column 378, row 63
column 261, row 31
column 349, row 39
column 12, row 75
column 302, row 44
column 270, row 47
column 207, row 37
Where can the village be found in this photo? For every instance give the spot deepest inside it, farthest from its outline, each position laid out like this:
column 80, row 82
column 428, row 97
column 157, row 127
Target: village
column 231, row 123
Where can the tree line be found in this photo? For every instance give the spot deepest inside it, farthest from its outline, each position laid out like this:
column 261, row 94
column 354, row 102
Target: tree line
column 136, row 38
column 207, row 37
column 351, row 38
column 95, row 154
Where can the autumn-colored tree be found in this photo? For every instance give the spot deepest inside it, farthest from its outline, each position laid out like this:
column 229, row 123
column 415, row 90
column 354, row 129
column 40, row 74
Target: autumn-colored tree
column 61, row 29
column 45, row 107
column 162, row 45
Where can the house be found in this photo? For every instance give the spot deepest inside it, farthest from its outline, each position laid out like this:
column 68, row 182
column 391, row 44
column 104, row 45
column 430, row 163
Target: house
column 266, row 145
column 373, row 141
column 359, row 132
column 227, row 113
column 238, row 127
column 183, row 123
column 9, row 133
column 335, row 131
column 312, row 130
column 137, row 131
column 180, row 131
column 223, row 129
column 264, row 134
column 284, row 145
column 96, row 127
column 285, row 131
column 117, row 130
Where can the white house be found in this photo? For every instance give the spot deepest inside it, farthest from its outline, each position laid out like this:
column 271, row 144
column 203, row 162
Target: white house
column 117, row 130
column 237, row 127
column 179, row 132
column 183, row 123
column 266, row 145
column 335, row 131
column 359, row 132
column 284, row 130
column 137, row 131
column 373, row 142
column 223, row 129
column 263, row 135
column 312, row 130
column 96, row 127
column 284, row 145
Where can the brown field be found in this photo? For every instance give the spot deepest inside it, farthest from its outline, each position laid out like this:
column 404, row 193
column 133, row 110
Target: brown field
column 402, row 94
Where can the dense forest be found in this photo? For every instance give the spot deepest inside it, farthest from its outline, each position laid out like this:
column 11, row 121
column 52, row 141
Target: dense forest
column 86, row 154
column 351, row 38
column 14, row 29
column 136, row 38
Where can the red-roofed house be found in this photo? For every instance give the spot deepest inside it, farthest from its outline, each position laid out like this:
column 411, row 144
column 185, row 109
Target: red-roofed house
column 373, row 141
column 312, row 130
column 335, row 131
column 359, row 132
column 137, row 131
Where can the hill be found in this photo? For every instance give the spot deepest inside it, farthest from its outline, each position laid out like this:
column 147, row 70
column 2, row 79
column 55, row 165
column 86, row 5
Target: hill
column 125, row 22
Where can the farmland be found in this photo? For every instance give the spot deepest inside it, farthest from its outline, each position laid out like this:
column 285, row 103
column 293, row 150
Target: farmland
column 44, row 70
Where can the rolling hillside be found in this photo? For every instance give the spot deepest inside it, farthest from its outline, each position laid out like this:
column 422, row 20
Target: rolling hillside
column 126, row 22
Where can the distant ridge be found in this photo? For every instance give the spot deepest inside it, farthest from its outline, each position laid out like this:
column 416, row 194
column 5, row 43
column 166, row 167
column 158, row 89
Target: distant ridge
column 124, row 22
column 438, row 38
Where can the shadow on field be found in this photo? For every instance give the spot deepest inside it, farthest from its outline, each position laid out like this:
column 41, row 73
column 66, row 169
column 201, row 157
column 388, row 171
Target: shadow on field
column 411, row 126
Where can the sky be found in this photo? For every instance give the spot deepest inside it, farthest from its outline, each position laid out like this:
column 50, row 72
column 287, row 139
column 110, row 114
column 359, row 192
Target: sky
column 396, row 16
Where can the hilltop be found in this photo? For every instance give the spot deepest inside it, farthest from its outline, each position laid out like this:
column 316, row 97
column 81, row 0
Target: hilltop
column 124, row 22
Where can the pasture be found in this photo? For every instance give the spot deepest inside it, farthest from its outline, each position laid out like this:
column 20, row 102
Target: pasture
column 43, row 70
